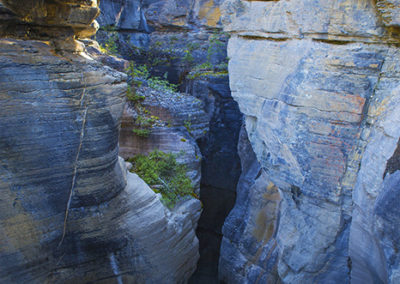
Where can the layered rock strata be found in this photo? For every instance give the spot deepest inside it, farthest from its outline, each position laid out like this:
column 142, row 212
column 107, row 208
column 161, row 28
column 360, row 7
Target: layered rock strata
column 318, row 84
column 69, row 210
column 167, row 26
column 55, row 21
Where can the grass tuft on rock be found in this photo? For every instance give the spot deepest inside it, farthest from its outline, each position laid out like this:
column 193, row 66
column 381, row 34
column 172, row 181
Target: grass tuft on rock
column 164, row 175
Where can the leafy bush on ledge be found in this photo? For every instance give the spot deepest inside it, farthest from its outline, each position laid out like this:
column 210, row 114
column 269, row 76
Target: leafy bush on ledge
column 110, row 45
column 164, row 175
column 140, row 73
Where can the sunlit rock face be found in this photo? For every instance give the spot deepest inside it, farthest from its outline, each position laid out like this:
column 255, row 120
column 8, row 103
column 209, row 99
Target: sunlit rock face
column 318, row 84
column 59, row 22
column 73, row 13
column 69, row 211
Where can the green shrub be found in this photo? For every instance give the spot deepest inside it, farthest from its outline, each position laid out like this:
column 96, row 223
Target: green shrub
column 110, row 46
column 163, row 174
column 141, row 72
column 132, row 96
column 138, row 72
column 162, row 85
column 215, row 44
column 144, row 124
column 142, row 132
column 188, row 57
column 207, row 68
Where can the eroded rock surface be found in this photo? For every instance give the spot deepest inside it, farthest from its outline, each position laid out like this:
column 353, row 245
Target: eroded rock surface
column 70, row 212
column 318, row 84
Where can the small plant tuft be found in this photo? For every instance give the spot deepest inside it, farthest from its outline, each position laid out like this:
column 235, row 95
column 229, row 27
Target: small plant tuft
column 141, row 73
column 132, row 96
column 141, row 132
column 188, row 126
column 110, row 46
column 164, row 175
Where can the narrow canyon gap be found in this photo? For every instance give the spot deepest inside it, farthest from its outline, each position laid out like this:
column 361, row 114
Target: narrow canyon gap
column 285, row 115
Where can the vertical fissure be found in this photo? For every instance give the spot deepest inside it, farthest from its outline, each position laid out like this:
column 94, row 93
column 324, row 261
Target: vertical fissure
column 83, row 104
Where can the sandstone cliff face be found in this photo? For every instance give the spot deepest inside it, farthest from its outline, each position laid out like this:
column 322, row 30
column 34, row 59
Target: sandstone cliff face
column 318, row 84
column 69, row 211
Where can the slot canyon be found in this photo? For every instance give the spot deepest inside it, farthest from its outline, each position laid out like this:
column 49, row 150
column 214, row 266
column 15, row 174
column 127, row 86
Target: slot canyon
column 200, row 141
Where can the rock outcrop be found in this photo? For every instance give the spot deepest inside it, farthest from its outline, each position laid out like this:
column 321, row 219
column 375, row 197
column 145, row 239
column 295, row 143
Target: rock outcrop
column 180, row 121
column 318, row 84
column 69, row 211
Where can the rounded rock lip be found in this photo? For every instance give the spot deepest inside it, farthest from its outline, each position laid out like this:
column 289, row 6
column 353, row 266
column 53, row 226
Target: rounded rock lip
column 68, row 13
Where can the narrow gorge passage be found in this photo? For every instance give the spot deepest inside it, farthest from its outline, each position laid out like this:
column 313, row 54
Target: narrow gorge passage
column 220, row 174
column 199, row 141
column 192, row 54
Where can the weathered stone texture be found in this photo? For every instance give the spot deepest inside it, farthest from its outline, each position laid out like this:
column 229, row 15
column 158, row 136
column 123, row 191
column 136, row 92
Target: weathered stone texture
column 318, row 84
column 220, row 170
column 78, row 13
column 59, row 140
column 70, row 212
column 390, row 12
column 375, row 254
column 51, row 20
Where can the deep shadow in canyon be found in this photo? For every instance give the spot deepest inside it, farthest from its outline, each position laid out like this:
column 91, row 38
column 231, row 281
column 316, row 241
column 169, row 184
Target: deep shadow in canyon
column 220, row 173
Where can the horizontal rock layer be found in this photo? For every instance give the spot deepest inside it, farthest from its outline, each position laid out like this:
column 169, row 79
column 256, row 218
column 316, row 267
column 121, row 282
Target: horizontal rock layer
column 58, row 22
column 166, row 15
column 77, row 13
column 317, row 82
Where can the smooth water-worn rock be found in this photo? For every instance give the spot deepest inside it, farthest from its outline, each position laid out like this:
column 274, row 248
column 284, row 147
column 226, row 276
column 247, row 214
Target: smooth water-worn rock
column 318, row 84
column 69, row 211
column 59, row 149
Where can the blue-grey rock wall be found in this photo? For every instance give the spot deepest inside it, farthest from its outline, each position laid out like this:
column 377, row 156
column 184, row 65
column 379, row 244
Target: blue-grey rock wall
column 69, row 210
column 317, row 82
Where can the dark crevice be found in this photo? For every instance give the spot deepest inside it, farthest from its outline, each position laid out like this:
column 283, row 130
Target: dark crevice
column 220, row 173
column 393, row 164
